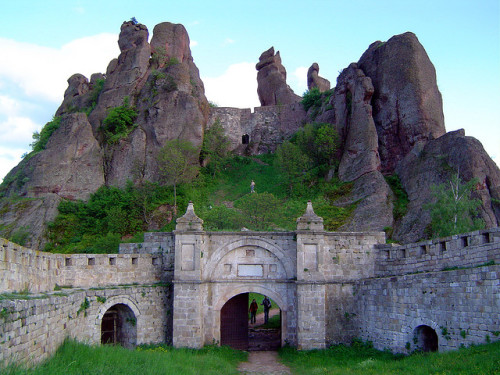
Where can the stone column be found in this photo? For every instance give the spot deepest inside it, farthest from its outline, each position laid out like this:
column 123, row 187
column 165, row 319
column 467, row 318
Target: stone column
column 188, row 312
column 311, row 291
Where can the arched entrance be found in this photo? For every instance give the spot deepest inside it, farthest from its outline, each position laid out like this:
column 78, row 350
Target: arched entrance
column 238, row 331
column 425, row 339
column 118, row 326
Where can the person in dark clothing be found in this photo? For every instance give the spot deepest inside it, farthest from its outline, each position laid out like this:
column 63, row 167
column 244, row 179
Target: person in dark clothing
column 253, row 311
column 267, row 306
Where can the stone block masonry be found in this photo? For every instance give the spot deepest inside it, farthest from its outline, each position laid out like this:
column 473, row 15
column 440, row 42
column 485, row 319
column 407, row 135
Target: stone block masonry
column 33, row 326
column 330, row 288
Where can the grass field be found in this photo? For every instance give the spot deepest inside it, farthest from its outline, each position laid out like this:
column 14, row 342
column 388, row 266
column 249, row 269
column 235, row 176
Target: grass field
column 75, row 358
column 361, row 359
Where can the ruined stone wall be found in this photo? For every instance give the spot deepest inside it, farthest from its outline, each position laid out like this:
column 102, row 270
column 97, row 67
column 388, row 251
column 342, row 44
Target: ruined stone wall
column 449, row 284
column 464, row 250
column 267, row 127
column 461, row 306
column 35, row 271
column 33, row 326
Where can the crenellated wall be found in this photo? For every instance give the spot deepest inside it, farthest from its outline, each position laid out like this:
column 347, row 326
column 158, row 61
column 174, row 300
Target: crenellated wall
column 330, row 287
column 34, row 271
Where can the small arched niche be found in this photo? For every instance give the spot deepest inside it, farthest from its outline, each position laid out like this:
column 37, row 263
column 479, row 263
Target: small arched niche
column 426, row 339
column 119, row 326
column 245, row 139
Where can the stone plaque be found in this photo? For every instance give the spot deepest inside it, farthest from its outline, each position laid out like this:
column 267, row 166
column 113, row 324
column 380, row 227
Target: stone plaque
column 187, row 253
column 311, row 257
column 255, row 270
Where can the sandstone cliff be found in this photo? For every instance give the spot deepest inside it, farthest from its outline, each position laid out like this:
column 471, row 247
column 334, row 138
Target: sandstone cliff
column 386, row 108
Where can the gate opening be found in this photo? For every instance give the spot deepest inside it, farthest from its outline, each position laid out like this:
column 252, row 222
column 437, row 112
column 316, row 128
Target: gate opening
column 241, row 330
column 118, row 326
column 426, row 339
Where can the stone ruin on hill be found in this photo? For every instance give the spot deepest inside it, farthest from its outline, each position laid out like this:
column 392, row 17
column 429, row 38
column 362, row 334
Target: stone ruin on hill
column 386, row 108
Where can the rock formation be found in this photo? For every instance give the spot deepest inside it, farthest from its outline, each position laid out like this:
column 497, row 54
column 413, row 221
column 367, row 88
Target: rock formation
column 314, row 80
column 271, row 81
column 433, row 164
column 159, row 80
column 387, row 109
column 407, row 105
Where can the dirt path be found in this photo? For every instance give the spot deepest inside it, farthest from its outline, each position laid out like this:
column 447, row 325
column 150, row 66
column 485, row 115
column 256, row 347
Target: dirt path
column 259, row 318
column 263, row 363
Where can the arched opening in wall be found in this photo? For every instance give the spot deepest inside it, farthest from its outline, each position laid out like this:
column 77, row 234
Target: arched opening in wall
column 425, row 339
column 245, row 139
column 118, row 326
column 246, row 324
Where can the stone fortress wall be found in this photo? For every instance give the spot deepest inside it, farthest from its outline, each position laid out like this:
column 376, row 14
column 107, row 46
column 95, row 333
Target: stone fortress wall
column 330, row 287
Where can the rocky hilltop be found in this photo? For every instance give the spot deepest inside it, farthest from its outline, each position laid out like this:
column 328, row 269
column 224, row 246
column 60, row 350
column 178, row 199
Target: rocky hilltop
column 386, row 108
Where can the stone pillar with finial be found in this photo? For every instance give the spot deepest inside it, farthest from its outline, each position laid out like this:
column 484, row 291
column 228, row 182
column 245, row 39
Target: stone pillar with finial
column 311, row 293
column 188, row 289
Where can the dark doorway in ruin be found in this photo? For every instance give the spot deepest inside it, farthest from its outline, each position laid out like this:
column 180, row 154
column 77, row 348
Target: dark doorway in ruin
column 234, row 322
column 245, row 139
column 118, row 326
column 425, row 339
column 262, row 335
column 237, row 330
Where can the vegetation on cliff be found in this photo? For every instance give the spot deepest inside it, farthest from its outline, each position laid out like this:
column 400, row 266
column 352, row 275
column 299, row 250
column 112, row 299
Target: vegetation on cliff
column 220, row 192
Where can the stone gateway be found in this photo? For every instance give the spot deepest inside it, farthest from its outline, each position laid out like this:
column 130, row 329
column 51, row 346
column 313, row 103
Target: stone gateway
column 190, row 288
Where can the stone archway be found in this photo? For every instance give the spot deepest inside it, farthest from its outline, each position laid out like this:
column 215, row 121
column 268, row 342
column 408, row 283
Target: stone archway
column 232, row 293
column 119, row 326
column 425, row 339
column 117, row 322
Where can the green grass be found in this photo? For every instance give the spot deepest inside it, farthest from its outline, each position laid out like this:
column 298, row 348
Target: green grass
column 77, row 358
column 361, row 359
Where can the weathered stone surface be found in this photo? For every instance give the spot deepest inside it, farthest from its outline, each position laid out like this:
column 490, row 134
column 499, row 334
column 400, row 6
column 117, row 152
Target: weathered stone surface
column 314, row 80
column 71, row 165
column 374, row 208
column 355, row 124
column 433, row 164
column 126, row 75
column 407, row 105
column 271, row 80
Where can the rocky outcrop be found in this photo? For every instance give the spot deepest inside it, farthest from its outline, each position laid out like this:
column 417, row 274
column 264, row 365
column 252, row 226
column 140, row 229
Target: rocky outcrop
column 353, row 114
column 433, row 164
column 271, row 81
column 407, row 105
column 315, row 81
column 360, row 162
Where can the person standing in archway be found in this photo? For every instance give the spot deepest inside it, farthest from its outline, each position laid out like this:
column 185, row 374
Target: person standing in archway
column 267, row 306
column 253, row 311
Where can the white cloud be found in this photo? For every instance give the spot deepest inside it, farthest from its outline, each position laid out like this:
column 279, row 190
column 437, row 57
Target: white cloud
column 298, row 80
column 42, row 71
column 33, row 78
column 237, row 87
column 193, row 43
column 228, row 41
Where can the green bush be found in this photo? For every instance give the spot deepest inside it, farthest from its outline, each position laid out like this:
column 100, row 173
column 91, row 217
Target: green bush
column 311, row 98
column 119, row 122
column 40, row 139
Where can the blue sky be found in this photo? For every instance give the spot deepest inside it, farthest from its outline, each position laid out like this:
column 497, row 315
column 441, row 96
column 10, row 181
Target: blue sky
column 44, row 42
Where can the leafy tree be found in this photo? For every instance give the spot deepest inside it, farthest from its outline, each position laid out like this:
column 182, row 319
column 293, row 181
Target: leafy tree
column 319, row 141
column 178, row 163
column 260, row 210
column 454, row 211
column 215, row 147
column 292, row 163
column 40, row 139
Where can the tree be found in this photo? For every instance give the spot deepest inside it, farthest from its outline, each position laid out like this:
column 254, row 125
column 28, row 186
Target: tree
column 215, row 147
column 292, row 163
column 454, row 211
column 178, row 163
